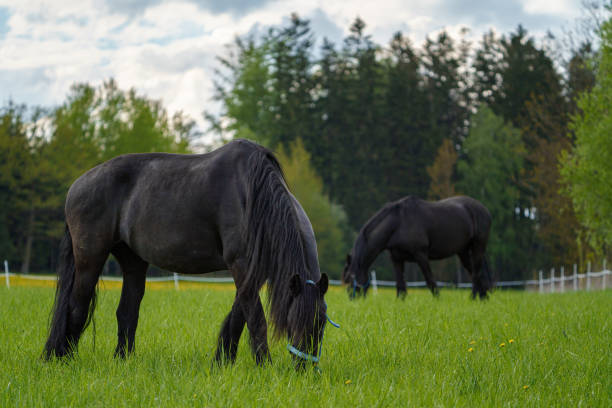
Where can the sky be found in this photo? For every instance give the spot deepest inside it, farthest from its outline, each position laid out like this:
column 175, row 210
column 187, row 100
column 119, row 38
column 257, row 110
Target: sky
column 166, row 49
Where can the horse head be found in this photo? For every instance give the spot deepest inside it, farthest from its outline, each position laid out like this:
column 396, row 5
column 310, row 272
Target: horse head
column 351, row 275
column 306, row 318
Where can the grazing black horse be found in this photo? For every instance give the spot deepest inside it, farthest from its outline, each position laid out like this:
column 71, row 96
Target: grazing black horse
column 416, row 230
column 228, row 209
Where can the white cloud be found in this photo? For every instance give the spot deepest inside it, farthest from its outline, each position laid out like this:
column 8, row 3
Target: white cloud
column 561, row 8
column 167, row 50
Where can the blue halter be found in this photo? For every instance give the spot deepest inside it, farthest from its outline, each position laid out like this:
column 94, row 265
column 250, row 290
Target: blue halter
column 306, row 356
column 363, row 287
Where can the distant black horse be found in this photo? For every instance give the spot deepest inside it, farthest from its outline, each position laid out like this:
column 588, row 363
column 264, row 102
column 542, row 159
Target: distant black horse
column 416, row 230
column 228, row 209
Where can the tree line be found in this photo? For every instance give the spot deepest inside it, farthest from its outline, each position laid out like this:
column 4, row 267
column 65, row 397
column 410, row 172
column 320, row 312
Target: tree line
column 43, row 151
column 508, row 121
column 489, row 120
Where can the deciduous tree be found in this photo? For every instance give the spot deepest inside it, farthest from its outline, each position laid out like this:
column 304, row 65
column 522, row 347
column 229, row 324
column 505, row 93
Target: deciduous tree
column 587, row 167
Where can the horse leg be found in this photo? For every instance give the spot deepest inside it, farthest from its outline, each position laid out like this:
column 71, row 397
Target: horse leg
column 244, row 311
column 258, row 328
column 231, row 330
column 474, row 270
column 82, row 303
column 423, row 263
column 479, row 247
column 400, row 283
column 477, row 256
column 482, row 289
column 134, row 271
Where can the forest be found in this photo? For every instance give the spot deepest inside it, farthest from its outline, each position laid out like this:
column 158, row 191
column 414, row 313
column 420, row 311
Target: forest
column 519, row 123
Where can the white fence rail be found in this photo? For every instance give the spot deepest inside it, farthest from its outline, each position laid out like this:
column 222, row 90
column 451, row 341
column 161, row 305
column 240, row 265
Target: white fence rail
column 551, row 284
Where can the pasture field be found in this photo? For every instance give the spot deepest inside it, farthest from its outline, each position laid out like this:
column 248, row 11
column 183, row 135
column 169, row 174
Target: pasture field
column 517, row 349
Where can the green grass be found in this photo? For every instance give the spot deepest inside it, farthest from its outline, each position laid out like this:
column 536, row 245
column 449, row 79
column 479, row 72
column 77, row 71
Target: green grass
column 387, row 353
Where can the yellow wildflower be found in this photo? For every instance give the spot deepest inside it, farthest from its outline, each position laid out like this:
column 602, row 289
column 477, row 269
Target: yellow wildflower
column 511, row 341
column 525, row 387
column 470, row 350
column 502, row 345
column 472, row 342
column 347, row 382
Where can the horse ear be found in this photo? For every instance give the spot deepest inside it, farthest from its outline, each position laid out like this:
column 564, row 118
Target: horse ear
column 348, row 259
column 295, row 285
column 323, row 283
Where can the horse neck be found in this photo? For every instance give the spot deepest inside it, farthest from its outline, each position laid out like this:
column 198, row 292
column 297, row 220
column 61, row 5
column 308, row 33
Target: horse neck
column 370, row 244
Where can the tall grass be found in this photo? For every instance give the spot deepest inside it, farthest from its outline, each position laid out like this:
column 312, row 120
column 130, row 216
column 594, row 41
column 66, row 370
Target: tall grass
column 517, row 349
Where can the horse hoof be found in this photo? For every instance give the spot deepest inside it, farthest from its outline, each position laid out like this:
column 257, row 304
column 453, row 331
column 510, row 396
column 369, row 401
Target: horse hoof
column 219, row 362
column 262, row 361
column 223, row 359
column 52, row 355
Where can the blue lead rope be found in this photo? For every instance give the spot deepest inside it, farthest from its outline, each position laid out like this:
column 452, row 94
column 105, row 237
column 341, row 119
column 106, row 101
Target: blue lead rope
column 332, row 322
column 302, row 355
column 306, row 356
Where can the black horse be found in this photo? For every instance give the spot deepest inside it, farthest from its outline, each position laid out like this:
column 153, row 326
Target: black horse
column 228, row 209
column 416, row 230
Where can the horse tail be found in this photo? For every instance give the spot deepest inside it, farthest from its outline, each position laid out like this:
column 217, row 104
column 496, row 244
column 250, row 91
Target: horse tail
column 58, row 343
column 274, row 247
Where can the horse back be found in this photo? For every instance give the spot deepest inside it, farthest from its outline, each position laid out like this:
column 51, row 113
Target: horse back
column 478, row 213
column 191, row 205
column 442, row 228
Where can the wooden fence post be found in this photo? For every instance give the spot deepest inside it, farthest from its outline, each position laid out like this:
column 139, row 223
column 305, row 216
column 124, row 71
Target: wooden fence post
column 552, row 280
column 374, row 283
column 6, row 274
column 562, row 279
column 541, row 282
column 575, row 277
column 588, row 276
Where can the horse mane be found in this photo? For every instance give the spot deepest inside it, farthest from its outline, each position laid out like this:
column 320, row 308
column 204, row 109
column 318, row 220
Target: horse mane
column 362, row 239
column 274, row 248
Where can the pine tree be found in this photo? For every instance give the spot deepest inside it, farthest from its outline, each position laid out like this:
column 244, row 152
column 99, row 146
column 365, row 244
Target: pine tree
column 405, row 121
column 245, row 91
column 509, row 71
column 291, row 80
